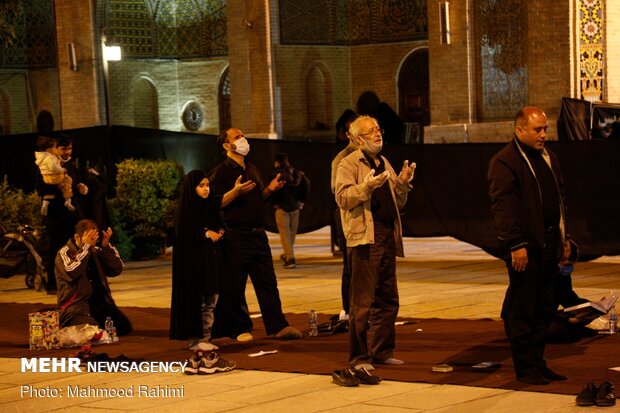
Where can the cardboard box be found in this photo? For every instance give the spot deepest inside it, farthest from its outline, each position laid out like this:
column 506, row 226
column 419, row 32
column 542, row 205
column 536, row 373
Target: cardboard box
column 43, row 326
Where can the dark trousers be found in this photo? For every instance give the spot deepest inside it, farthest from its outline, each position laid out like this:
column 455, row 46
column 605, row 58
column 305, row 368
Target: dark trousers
column 529, row 306
column 101, row 310
column 345, row 284
column 374, row 298
column 250, row 255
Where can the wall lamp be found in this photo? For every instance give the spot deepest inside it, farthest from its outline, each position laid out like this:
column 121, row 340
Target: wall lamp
column 71, row 56
column 444, row 22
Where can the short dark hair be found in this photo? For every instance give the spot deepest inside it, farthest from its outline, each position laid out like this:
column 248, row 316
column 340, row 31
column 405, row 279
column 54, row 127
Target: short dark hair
column 63, row 140
column 282, row 158
column 45, row 142
column 84, row 225
column 345, row 120
column 221, row 139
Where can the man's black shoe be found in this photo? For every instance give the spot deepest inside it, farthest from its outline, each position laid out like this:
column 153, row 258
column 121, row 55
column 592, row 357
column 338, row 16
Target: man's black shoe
column 533, row 378
column 345, row 378
column 587, row 395
column 605, row 395
column 365, row 377
column 549, row 374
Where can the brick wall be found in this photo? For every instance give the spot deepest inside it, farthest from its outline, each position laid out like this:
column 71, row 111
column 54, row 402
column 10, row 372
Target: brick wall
column 175, row 84
column 549, row 52
column 15, row 105
column 448, row 67
column 79, row 97
column 453, row 91
column 293, row 65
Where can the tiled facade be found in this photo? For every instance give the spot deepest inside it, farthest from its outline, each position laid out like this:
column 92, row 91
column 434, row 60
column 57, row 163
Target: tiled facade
column 296, row 90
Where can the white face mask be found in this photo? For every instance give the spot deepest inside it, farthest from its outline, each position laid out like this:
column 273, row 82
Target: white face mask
column 242, row 146
column 371, row 147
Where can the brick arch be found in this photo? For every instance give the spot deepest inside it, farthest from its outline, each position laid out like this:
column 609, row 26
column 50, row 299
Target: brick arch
column 144, row 101
column 414, row 93
column 5, row 113
column 319, row 91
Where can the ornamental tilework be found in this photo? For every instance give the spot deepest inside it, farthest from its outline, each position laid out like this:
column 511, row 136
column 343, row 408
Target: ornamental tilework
column 351, row 22
column 592, row 59
column 34, row 45
column 168, row 28
column 502, row 57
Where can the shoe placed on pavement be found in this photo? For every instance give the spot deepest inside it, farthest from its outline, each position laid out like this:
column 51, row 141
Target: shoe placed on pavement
column 605, row 395
column 288, row 264
column 202, row 345
column 214, row 363
column 245, row 337
column 587, row 395
column 192, row 365
column 390, row 362
column 534, row 378
column 549, row 374
column 289, row 333
column 366, row 366
column 365, row 377
column 345, row 378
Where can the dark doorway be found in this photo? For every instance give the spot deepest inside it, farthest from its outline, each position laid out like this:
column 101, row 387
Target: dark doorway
column 413, row 92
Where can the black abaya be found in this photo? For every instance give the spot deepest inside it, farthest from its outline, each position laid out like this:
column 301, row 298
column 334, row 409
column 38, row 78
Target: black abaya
column 197, row 262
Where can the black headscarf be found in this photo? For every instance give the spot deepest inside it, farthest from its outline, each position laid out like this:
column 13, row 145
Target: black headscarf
column 193, row 210
column 197, row 263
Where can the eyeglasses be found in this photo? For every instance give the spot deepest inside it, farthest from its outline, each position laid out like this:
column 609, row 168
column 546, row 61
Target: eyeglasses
column 372, row 133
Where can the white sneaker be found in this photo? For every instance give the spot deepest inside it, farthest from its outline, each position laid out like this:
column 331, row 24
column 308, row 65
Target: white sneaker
column 245, row 337
column 213, row 363
column 192, row 365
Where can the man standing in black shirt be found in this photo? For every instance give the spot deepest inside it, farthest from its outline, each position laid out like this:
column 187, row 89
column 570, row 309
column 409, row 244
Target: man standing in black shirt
column 527, row 201
column 247, row 245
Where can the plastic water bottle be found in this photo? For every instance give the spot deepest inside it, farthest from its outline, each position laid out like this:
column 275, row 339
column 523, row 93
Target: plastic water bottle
column 314, row 331
column 110, row 330
column 613, row 320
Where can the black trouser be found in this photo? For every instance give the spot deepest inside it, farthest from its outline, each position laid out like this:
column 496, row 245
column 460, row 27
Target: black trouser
column 529, row 306
column 374, row 298
column 100, row 309
column 249, row 254
column 345, row 284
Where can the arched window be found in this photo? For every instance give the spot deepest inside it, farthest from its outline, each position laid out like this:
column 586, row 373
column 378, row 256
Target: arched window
column 413, row 95
column 318, row 99
column 145, row 104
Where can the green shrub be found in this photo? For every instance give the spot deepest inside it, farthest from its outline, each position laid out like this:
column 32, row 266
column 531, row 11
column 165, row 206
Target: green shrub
column 144, row 206
column 18, row 208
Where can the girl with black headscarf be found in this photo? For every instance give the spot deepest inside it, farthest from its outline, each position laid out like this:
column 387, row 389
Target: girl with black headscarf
column 197, row 260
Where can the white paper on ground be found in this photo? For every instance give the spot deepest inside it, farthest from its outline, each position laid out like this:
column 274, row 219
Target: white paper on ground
column 262, row 353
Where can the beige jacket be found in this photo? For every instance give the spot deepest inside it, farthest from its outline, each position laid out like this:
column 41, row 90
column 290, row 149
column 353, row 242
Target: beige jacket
column 353, row 197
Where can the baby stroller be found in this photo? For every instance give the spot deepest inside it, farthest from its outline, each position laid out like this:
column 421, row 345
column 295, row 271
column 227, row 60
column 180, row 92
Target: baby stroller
column 18, row 255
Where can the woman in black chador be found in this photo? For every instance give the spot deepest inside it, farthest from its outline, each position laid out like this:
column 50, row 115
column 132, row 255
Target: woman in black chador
column 197, row 261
